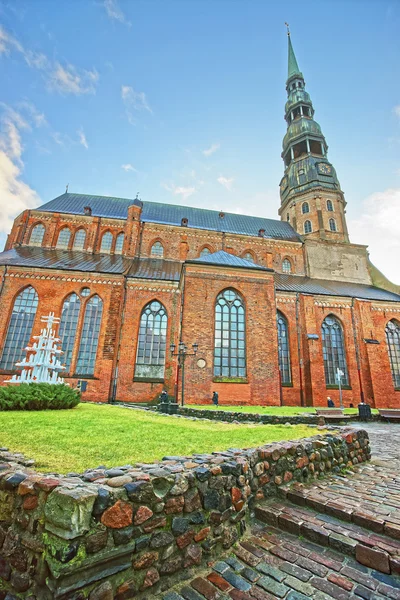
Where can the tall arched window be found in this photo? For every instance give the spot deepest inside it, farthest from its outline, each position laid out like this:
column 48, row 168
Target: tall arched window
column 230, row 335
column 248, row 256
column 286, row 266
column 119, row 243
column 329, row 205
column 106, row 242
column 63, row 238
column 79, row 240
column 333, row 351
column 307, row 227
column 392, row 331
column 90, row 337
column 305, row 208
column 332, row 225
column 19, row 328
column 283, row 349
column 37, row 234
column 157, row 250
column 150, row 359
column 68, row 326
column 205, row 252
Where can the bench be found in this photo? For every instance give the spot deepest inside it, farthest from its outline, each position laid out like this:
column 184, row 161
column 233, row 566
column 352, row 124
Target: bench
column 333, row 414
column 390, row 414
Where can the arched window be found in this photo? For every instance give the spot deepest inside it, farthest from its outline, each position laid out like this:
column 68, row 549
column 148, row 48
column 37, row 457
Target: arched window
column 305, row 208
column 119, row 243
column 63, row 238
column 157, row 249
column 329, row 205
column 106, row 242
column 248, row 256
column 230, row 335
column 392, row 331
column 90, row 337
column 19, row 328
column 150, row 359
column 333, row 351
column 68, row 326
column 205, row 252
column 37, row 234
column 307, row 227
column 283, row 349
column 79, row 239
column 286, row 266
column 332, row 225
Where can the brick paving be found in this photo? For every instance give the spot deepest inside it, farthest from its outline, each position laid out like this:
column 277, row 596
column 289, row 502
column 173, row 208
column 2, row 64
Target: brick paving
column 338, row 537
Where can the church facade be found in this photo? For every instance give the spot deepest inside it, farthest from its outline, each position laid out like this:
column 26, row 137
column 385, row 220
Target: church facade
column 278, row 309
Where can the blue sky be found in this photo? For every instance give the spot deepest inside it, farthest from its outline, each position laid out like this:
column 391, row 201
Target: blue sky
column 183, row 102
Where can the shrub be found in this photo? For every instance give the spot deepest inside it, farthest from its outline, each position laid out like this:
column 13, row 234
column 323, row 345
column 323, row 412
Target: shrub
column 38, row 396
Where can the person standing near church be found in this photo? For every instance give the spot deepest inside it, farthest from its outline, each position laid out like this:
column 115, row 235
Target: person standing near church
column 215, row 398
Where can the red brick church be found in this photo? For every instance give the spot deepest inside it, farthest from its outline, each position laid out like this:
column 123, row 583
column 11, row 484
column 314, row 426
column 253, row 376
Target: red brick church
column 276, row 307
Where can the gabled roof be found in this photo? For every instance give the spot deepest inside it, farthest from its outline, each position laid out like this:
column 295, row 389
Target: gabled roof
column 170, row 214
column 155, row 268
column 225, row 259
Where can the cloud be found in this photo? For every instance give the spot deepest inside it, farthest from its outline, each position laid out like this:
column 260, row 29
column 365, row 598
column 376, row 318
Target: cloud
column 134, row 100
column 114, row 12
column 129, row 167
column 179, row 190
column 82, row 138
column 226, row 182
column 213, row 148
column 396, row 110
column 378, row 225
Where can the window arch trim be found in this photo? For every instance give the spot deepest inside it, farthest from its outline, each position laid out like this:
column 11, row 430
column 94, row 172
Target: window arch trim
column 206, row 247
column 152, row 244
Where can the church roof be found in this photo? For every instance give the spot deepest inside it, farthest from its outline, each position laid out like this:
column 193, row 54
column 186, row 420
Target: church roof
column 171, row 214
column 228, row 260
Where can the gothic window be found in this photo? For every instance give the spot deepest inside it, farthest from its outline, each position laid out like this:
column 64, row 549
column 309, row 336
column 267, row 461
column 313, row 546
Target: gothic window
column 333, row 351
column 230, row 335
column 283, row 349
column 307, row 227
column 248, row 256
column 20, row 328
column 68, row 326
column 90, row 337
column 332, row 225
column 37, row 234
column 150, row 360
column 286, row 266
column 63, row 238
column 329, row 205
column 157, row 249
column 79, row 239
column 106, row 242
column 393, row 342
column 305, row 208
column 205, row 252
column 119, row 243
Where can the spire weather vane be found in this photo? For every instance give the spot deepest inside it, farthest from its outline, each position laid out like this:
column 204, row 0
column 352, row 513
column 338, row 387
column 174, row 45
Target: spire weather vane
column 288, row 30
column 66, row 188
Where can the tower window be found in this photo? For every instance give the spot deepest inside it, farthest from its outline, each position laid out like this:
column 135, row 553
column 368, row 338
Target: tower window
column 79, row 239
column 63, row 238
column 305, row 208
column 315, row 147
column 119, row 243
column 286, row 266
column 306, row 111
column 300, row 149
column 106, row 242
column 329, row 205
column 37, row 235
column 297, row 113
column 157, row 250
column 332, row 225
column 307, row 227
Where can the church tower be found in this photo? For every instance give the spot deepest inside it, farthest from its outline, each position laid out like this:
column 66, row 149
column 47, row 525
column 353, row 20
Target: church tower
column 311, row 197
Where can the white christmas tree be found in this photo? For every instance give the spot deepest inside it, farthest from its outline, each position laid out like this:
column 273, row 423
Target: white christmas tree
column 41, row 364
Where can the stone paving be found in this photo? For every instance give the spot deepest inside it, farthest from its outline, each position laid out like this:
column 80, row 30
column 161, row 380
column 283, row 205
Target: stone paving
column 336, row 538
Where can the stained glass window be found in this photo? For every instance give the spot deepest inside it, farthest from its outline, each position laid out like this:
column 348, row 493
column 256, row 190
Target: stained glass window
column 329, row 205
column 307, row 227
column 205, row 252
column 305, row 208
column 332, row 225
column 150, row 360
column 230, row 335
column 286, row 266
column 79, row 239
column 19, row 328
column 68, row 326
column 106, row 242
column 393, row 341
column 119, row 243
column 63, row 238
column 157, row 249
column 90, row 336
column 37, row 234
column 283, row 349
column 333, row 351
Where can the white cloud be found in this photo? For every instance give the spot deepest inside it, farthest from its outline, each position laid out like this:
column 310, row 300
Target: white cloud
column 129, row 167
column 134, row 100
column 82, row 138
column 397, row 110
column 226, row 182
column 114, row 12
column 213, row 148
column 179, row 190
column 379, row 225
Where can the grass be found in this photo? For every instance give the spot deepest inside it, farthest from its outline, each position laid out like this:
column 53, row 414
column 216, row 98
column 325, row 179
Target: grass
column 88, row 436
column 272, row 410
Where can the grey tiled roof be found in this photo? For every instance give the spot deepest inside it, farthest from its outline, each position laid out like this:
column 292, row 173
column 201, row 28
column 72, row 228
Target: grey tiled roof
column 306, row 285
column 155, row 268
column 225, row 259
column 170, row 214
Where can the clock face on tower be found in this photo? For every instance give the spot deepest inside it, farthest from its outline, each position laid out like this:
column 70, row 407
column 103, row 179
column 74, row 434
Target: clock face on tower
column 324, row 169
column 283, row 184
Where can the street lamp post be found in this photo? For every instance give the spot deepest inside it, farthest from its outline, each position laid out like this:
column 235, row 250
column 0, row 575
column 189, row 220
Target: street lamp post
column 182, row 353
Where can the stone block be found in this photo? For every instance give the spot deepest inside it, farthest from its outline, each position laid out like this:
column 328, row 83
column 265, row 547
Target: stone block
column 68, row 511
column 373, row 558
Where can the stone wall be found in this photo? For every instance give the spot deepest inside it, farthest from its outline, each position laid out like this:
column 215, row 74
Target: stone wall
column 132, row 531
column 231, row 416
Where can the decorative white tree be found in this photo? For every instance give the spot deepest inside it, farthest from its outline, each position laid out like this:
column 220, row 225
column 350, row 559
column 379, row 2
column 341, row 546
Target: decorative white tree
column 41, row 364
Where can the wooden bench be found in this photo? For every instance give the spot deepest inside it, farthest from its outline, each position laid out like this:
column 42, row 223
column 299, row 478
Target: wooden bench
column 333, row 414
column 390, row 414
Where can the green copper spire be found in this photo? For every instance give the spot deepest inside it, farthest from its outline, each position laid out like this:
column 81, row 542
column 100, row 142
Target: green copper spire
column 293, row 67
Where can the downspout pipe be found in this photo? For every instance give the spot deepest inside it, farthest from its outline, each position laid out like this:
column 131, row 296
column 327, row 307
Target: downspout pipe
column 180, row 331
column 300, row 358
column 353, row 319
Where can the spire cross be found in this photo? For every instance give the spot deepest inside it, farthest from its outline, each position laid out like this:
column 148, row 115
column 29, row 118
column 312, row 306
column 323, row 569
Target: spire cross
column 288, row 30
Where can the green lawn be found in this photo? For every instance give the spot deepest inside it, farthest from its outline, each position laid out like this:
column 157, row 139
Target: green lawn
column 89, row 435
column 271, row 410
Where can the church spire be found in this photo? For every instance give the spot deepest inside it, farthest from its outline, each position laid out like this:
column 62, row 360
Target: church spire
column 293, row 67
